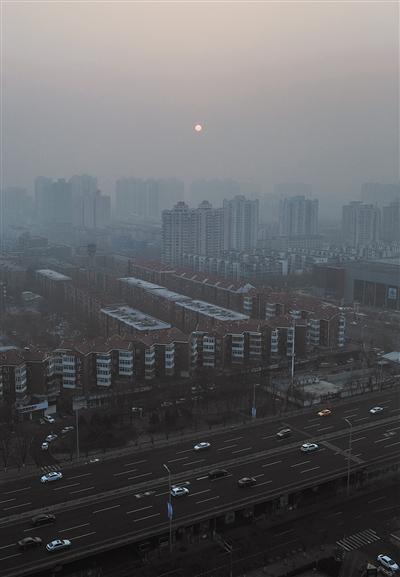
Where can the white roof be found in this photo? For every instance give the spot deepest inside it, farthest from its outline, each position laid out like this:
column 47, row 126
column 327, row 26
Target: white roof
column 52, row 274
column 134, row 318
column 394, row 356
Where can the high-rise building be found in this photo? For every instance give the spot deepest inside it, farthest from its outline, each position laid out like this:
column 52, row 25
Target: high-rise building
column 380, row 193
column 240, row 223
column 207, row 233
column 360, row 223
column 298, row 216
column 43, row 203
column 137, row 197
column 84, row 191
column 391, row 222
column 176, row 233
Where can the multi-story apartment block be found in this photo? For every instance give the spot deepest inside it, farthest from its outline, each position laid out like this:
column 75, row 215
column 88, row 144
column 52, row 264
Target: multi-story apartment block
column 298, row 216
column 14, row 379
column 360, row 224
column 240, row 223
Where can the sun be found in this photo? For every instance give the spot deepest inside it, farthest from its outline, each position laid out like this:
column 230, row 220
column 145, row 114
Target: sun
column 198, row 127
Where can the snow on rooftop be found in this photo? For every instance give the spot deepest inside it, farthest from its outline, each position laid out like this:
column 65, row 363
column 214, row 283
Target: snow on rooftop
column 52, row 274
column 134, row 318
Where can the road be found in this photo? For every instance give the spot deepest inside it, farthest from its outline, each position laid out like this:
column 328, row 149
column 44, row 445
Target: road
column 277, row 465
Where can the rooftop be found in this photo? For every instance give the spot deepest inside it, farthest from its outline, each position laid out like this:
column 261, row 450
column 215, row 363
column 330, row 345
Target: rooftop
column 134, row 318
column 53, row 275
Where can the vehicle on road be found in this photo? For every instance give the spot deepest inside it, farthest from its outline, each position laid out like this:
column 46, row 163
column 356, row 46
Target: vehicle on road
column 43, row 519
column 308, row 447
column 179, row 491
column 325, row 413
column 45, row 446
column 52, row 437
column 52, row 476
column 246, row 482
column 217, row 474
column 58, row 545
column 94, row 460
column 202, row 446
column 376, row 410
column 388, row 563
column 49, row 419
column 284, row 433
column 28, row 542
column 66, row 430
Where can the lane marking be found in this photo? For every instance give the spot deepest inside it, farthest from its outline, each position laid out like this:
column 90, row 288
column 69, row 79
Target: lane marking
column 209, row 499
column 199, row 492
column 235, row 439
column 178, row 459
column 81, row 490
column 138, row 476
column 227, row 447
column 9, row 556
column 16, row 491
column 193, row 462
column 66, row 486
column 270, row 464
column 377, row 499
column 135, row 463
column 361, row 419
column 185, row 451
column 84, row 535
column 125, row 472
column 75, row 527
column 16, row 506
column 241, row 450
column 301, row 463
column 308, row 470
column 201, row 478
column 160, row 494
column 78, row 476
column 326, row 428
column 260, row 475
column 7, row 546
column 283, row 533
column 263, row 483
column 334, row 514
column 391, row 445
column 148, row 517
column 359, row 439
column 269, row 437
column 8, row 500
column 141, row 509
column 105, row 509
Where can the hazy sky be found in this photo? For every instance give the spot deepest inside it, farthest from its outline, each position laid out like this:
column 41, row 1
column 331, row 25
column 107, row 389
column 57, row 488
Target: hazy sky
column 285, row 91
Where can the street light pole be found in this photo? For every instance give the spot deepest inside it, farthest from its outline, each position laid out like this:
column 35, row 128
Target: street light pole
column 169, row 507
column 77, row 433
column 349, row 455
column 253, row 409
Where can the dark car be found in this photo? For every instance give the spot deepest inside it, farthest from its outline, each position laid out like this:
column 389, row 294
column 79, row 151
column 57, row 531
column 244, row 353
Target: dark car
column 43, row 519
column 218, row 474
column 28, row 542
column 247, row 482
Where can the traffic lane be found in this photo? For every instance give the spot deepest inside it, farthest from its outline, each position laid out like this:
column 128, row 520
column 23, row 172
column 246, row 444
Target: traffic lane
column 115, row 473
column 371, row 443
column 127, row 514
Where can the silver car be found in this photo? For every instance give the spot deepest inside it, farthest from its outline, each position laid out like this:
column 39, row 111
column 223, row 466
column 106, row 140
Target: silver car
column 179, row 491
column 58, row 545
column 52, row 476
column 308, row 447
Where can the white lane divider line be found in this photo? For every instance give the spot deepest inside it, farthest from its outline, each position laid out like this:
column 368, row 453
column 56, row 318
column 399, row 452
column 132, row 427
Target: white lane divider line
column 125, row 472
column 84, row 535
column 16, row 506
column 206, row 500
column 141, row 509
column 82, row 490
column 72, row 528
column 148, row 517
column 105, row 509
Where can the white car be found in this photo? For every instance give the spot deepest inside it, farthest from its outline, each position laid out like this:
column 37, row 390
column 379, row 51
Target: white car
column 307, row 447
column 58, row 545
column 179, row 491
column 376, row 410
column 51, row 437
column 52, row 476
column 388, row 563
column 49, row 419
column 201, row 446
column 45, row 446
column 66, row 430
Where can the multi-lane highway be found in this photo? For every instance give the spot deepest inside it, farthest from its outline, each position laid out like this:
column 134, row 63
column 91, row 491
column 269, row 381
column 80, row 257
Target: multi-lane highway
column 98, row 505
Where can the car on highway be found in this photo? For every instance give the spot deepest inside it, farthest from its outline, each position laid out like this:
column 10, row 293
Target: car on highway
column 217, row 474
column 284, row 433
column 58, row 545
column 376, row 410
column 246, row 482
column 66, row 430
column 388, row 563
column 308, row 447
column 43, row 519
column 28, row 542
column 202, row 446
column 179, row 491
column 49, row 419
column 50, row 438
column 324, row 413
column 52, row 476
column 45, row 446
